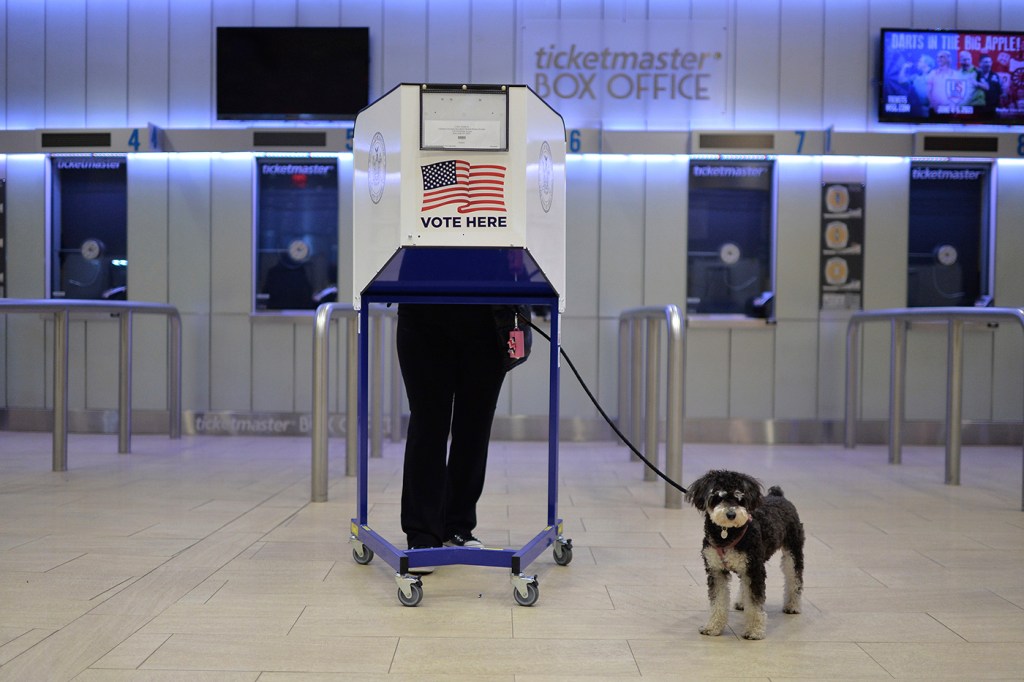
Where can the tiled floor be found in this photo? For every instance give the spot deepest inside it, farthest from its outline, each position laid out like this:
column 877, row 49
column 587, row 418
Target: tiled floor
column 203, row 559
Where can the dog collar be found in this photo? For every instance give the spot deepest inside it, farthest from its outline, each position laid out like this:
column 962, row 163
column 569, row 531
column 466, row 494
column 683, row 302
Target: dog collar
column 723, row 549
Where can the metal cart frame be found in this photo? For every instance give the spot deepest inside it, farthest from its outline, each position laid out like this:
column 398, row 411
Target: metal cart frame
column 366, row 543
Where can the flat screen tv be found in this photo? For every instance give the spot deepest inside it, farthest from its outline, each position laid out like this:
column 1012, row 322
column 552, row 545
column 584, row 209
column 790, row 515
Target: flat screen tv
column 292, row 73
column 951, row 76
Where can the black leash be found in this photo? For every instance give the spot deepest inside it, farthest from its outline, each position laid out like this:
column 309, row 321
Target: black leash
column 608, row 419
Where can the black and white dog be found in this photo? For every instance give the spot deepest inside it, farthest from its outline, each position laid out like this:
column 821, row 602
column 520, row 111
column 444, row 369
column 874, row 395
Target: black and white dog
column 742, row 530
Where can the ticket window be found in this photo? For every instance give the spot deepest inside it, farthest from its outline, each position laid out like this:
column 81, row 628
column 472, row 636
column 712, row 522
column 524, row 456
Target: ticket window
column 729, row 249
column 296, row 264
column 90, row 227
column 948, row 260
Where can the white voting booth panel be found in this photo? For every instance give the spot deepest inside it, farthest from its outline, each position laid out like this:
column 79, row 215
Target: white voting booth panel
column 458, row 166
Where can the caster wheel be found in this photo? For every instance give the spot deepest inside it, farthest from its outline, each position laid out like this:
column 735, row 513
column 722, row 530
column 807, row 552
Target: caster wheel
column 364, row 558
column 563, row 553
column 532, row 594
column 415, row 596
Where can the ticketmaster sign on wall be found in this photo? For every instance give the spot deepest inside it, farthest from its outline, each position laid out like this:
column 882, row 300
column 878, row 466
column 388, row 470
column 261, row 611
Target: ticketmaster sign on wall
column 628, row 75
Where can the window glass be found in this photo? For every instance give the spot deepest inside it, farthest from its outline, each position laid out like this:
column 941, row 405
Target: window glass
column 90, row 227
column 729, row 248
column 947, row 245
column 296, row 233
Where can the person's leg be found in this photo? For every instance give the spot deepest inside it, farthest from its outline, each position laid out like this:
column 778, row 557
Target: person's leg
column 476, row 396
column 429, row 384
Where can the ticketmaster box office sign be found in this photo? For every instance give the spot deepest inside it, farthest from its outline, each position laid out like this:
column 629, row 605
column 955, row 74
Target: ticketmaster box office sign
column 628, row 75
column 458, row 166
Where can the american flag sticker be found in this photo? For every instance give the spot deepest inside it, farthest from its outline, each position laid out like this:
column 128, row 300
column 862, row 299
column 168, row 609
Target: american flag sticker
column 467, row 187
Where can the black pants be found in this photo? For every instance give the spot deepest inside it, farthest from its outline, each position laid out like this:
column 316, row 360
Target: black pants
column 452, row 365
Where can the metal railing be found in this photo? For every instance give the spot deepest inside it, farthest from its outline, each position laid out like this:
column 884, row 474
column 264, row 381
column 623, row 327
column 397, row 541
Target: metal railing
column 325, row 313
column 898, row 319
column 61, row 309
column 640, row 365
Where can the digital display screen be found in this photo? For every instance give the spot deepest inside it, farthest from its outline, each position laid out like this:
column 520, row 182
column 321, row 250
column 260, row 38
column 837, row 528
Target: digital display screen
column 292, row 73
column 940, row 76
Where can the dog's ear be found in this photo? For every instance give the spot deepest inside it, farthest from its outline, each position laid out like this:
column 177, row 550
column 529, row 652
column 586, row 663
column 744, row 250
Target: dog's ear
column 752, row 492
column 697, row 492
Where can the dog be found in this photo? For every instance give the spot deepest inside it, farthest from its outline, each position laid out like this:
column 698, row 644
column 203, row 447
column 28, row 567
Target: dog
column 742, row 530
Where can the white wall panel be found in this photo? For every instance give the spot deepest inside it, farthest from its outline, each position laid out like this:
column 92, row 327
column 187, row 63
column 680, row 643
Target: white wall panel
column 675, row 10
column 93, row 363
column 581, row 9
column 190, row 67
column 148, row 276
column 26, row 225
column 886, row 14
column 405, row 35
column 148, row 62
column 874, row 365
column 494, row 38
column 977, row 15
column 831, row 369
column 1007, row 370
column 796, row 376
column 886, row 216
column 621, row 263
column 665, row 232
column 230, row 362
column 977, row 378
column 752, row 373
column 370, row 13
column 1008, row 360
column 189, row 232
column 798, row 238
column 582, row 235
column 149, row 362
column 195, row 361
column 27, row 352
column 273, row 366
column 275, row 12
column 231, row 248
column 757, row 65
column 801, row 33
column 580, row 340
column 318, row 13
column 3, row 81
column 106, row 62
column 846, row 89
column 345, row 201
column 926, row 371
column 1012, row 13
column 707, row 372
column 77, row 369
column 148, row 256
column 303, row 367
column 65, row 66
column 607, row 389
column 934, row 13
column 536, row 9
column 448, row 61
column 231, row 12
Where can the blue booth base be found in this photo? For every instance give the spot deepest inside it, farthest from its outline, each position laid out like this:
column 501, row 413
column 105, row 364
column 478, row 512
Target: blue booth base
column 471, row 276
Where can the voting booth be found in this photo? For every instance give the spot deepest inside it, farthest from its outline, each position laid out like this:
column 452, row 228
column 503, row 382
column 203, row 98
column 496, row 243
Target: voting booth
column 459, row 197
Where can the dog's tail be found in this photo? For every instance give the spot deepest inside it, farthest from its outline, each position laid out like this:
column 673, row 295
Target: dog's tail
column 775, row 491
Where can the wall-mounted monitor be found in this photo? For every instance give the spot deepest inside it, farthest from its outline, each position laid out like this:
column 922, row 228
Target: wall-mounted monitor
column 292, row 73
column 951, row 76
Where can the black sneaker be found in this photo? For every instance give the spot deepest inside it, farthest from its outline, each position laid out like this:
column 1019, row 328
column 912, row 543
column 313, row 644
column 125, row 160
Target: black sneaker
column 462, row 540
